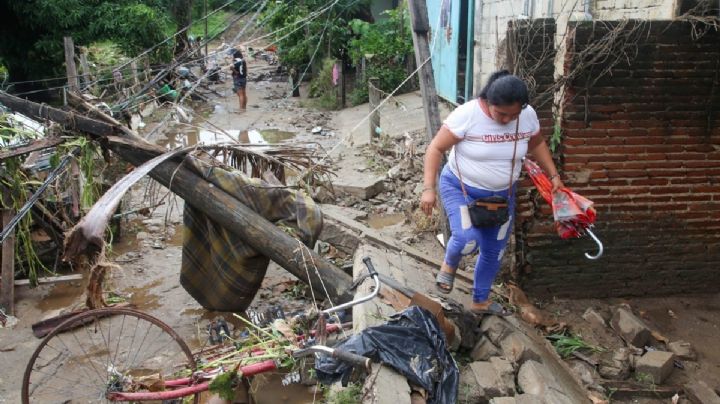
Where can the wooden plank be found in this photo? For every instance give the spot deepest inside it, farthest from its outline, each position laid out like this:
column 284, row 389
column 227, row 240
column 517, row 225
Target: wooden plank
column 31, row 147
column 7, row 289
column 50, row 280
column 70, row 68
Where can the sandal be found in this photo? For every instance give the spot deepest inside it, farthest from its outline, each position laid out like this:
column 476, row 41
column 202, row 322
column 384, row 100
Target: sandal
column 444, row 282
column 495, row 309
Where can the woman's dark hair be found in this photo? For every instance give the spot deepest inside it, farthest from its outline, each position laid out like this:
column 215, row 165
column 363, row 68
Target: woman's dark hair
column 237, row 54
column 502, row 88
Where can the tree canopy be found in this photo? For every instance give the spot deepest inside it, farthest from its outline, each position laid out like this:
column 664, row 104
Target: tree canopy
column 32, row 30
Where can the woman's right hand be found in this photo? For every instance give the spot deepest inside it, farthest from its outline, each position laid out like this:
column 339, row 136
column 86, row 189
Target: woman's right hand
column 427, row 201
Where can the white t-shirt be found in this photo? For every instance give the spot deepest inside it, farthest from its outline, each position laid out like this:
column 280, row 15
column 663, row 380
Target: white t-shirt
column 486, row 148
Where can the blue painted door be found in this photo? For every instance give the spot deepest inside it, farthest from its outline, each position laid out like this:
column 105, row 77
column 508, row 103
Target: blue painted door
column 444, row 19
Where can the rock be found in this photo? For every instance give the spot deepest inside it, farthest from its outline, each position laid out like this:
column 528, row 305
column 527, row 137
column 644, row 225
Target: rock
column 683, row 350
column 505, row 372
column 154, row 221
column 535, row 378
column 631, row 329
column 153, row 229
column 468, row 390
column 394, row 172
column 698, row 392
column 141, row 235
column 619, row 367
column 484, row 349
column 584, row 372
column 490, row 381
column 594, row 318
column 657, row 364
column 363, row 187
column 517, row 347
column 495, row 328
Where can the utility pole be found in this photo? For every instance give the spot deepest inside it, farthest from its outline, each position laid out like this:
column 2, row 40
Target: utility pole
column 421, row 29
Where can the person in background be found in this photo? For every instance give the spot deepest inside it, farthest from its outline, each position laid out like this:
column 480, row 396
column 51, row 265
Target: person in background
column 239, row 75
column 484, row 135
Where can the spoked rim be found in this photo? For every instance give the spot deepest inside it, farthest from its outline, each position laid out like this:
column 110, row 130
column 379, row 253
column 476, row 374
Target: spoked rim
column 100, row 351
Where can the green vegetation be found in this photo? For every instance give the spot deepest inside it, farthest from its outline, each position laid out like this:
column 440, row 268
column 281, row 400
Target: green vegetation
column 566, row 344
column 352, row 394
column 322, row 88
column 385, row 45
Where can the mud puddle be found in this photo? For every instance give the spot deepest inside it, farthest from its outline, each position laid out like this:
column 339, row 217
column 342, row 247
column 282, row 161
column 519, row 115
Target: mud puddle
column 206, row 137
column 379, row 221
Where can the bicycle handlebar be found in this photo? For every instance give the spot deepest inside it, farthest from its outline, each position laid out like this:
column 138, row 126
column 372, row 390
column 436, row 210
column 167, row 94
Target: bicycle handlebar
column 353, row 359
column 373, row 273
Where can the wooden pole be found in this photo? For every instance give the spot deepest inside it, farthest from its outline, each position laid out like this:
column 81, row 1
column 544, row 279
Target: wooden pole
column 85, row 66
column 70, row 68
column 375, row 97
column 7, row 293
column 221, row 207
column 421, row 30
column 133, row 67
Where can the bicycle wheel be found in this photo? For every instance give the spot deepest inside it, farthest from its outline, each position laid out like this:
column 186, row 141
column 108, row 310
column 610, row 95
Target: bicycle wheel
column 103, row 351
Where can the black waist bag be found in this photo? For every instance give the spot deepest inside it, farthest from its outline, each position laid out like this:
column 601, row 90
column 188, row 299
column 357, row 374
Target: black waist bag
column 491, row 211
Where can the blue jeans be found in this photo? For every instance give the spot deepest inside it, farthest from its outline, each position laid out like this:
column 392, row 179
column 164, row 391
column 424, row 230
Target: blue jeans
column 491, row 241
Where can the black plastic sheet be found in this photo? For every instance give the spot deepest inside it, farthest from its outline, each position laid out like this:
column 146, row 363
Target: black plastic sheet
column 413, row 344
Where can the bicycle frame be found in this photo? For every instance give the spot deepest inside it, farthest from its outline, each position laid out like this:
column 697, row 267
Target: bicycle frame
column 205, row 378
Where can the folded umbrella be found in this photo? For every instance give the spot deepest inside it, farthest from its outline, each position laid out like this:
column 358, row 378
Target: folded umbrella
column 574, row 214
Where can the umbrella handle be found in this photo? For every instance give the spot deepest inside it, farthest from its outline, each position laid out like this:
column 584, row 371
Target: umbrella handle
column 600, row 246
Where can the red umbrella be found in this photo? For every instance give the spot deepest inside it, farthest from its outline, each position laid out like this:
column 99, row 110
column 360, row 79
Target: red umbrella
column 574, row 214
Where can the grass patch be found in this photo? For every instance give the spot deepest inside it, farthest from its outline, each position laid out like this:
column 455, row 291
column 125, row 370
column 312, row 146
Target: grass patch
column 567, row 344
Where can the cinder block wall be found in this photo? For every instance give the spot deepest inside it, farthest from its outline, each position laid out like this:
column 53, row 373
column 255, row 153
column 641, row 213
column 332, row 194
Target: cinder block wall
column 643, row 142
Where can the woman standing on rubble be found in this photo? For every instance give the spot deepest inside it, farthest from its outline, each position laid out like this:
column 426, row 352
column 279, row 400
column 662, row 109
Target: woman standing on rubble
column 488, row 136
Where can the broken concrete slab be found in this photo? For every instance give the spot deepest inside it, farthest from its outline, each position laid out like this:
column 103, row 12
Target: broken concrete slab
column 656, row 364
column 698, row 392
column 631, row 329
column 528, row 399
column 535, row 378
column 682, row 350
column 339, row 236
column 484, row 350
column 594, row 318
column 468, row 389
column 361, row 186
column 389, row 387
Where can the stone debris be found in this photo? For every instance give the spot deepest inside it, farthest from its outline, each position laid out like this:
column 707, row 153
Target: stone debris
column 518, row 348
column 698, row 392
column 484, row 350
column 682, row 350
column 631, row 328
column 495, row 328
column 594, row 318
column 618, row 368
column 656, row 364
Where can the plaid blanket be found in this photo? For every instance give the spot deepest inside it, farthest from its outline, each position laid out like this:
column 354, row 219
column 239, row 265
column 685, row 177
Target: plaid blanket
column 218, row 269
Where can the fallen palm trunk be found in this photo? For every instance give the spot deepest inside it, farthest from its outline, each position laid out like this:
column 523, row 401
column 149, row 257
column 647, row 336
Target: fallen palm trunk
column 217, row 204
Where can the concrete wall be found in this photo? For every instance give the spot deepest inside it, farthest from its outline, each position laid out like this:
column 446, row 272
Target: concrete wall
column 644, row 144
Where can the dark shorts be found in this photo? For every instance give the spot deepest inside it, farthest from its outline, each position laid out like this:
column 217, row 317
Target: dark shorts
column 239, row 83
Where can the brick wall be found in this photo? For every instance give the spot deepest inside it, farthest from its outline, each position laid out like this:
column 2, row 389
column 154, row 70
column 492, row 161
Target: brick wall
column 644, row 143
